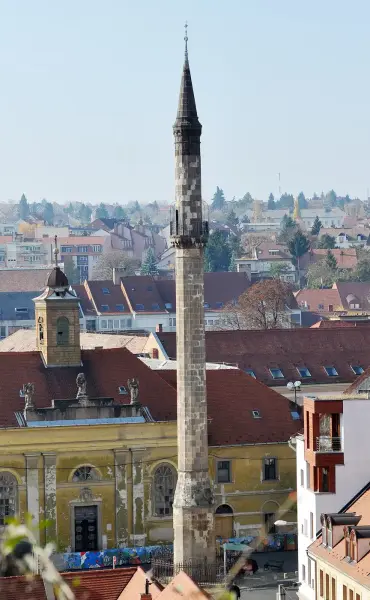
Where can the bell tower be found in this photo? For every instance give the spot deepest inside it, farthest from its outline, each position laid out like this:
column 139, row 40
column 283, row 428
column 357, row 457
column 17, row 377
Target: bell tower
column 57, row 321
column 193, row 518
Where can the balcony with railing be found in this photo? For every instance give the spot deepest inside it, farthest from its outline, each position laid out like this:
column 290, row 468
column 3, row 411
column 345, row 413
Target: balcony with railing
column 327, row 443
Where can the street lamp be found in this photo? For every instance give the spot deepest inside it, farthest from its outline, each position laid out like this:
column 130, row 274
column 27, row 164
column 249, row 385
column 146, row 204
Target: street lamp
column 296, row 386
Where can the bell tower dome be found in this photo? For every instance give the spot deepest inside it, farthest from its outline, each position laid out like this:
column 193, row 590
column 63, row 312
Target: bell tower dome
column 57, row 321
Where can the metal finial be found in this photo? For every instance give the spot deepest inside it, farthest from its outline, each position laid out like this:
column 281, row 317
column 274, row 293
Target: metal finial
column 186, row 40
column 56, row 250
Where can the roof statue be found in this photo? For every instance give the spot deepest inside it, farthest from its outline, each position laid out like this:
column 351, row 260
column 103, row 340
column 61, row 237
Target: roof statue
column 81, row 387
column 28, row 393
column 133, row 386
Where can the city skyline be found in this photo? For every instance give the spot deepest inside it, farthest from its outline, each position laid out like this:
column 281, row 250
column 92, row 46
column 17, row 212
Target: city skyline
column 90, row 98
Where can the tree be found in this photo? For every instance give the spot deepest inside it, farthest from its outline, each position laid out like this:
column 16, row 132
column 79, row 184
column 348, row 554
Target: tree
column 327, row 242
column 149, row 266
column 302, row 202
column 330, row 199
column 246, row 200
column 218, row 253
column 286, row 201
column 119, row 212
column 265, row 305
column 47, row 212
column 235, row 244
column 232, row 265
column 278, row 269
column 84, row 213
column 297, row 211
column 231, row 219
column 24, row 209
column 331, row 261
column 320, row 275
column 218, row 200
column 101, row 212
column 362, row 272
column 105, row 264
column 71, row 271
column 288, row 229
column 316, row 226
column 298, row 246
column 271, row 202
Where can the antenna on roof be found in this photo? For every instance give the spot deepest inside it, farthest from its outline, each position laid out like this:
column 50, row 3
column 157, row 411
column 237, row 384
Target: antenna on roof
column 56, row 250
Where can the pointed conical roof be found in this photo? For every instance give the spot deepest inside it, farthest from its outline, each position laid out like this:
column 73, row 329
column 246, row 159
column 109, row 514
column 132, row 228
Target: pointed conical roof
column 187, row 110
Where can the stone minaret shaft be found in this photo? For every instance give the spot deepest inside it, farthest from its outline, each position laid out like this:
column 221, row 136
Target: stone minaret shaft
column 193, row 504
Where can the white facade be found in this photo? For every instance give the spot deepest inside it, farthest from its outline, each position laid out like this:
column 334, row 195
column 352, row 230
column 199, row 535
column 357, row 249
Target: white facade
column 350, row 478
column 148, row 322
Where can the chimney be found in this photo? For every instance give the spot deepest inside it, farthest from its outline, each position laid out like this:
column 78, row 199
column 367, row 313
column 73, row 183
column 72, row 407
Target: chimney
column 155, row 353
column 159, row 328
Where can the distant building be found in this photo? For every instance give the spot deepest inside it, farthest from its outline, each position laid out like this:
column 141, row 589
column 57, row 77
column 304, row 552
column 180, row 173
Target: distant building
column 346, row 301
column 266, row 254
column 84, row 252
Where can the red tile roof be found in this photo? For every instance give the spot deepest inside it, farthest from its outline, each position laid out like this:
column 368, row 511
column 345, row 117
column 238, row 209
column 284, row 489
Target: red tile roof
column 358, row 571
column 105, row 371
column 286, row 349
column 86, row 585
column 353, row 292
column 19, row 588
column 99, row 584
column 231, row 397
column 346, row 258
column 23, row 280
column 319, row 300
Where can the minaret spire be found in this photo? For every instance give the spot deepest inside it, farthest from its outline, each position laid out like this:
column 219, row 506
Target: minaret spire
column 186, row 42
column 193, row 518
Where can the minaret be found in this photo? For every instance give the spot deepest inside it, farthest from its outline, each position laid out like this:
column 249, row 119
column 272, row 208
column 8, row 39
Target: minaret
column 193, row 519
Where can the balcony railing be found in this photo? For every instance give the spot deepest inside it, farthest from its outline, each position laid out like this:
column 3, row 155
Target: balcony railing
column 326, row 443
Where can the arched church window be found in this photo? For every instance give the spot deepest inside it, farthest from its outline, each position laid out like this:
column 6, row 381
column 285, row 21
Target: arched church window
column 164, row 490
column 8, row 496
column 41, row 330
column 62, row 331
column 85, row 473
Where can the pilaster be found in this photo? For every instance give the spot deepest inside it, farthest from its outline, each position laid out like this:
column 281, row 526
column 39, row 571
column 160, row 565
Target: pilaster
column 50, row 483
column 138, row 533
column 122, row 461
column 33, row 492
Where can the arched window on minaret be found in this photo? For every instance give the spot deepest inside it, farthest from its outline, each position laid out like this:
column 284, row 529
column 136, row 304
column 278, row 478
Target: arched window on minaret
column 41, row 330
column 62, row 331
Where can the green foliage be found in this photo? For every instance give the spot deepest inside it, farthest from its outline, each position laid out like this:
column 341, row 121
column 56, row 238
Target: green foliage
column 298, row 245
column 247, row 200
column 286, row 201
column 24, row 209
column 362, row 272
column 288, row 229
column 232, row 265
column 84, row 213
column 235, row 245
column 319, row 275
column 149, row 266
column 71, row 271
column 271, row 202
column 217, row 253
column 119, row 212
column 327, row 242
column 278, row 269
column 218, row 200
column 302, row 202
column 231, row 219
column 330, row 199
column 331, row 261
column 101, row 212
column 47, row 212
column 316, row 226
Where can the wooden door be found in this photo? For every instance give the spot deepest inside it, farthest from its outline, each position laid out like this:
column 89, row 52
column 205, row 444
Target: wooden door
column 224, row 526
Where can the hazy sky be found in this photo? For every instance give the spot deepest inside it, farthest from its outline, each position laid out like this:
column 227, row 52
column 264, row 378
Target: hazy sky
column 89, row 90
